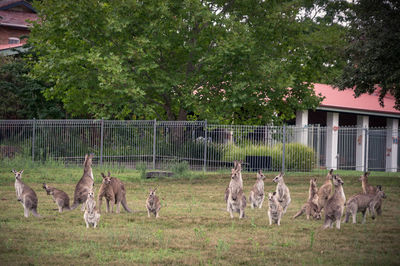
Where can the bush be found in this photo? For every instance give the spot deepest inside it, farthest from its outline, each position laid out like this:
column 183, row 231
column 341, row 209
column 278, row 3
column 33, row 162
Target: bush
column 180, row 169
column 298, row 157
column 142, row 168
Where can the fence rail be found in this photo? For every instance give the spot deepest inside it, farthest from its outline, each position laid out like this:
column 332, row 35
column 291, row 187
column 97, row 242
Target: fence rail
column 158, row 144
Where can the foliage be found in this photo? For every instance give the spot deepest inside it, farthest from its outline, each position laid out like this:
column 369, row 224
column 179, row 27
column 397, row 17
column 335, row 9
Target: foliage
column 142, row 168
column 21, row 95
column 373, row 50
column 180, row 169
column 227, row 61
column 298, row 157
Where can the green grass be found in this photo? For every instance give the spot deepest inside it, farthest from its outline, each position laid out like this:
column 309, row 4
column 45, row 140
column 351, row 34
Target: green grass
column 193, row 228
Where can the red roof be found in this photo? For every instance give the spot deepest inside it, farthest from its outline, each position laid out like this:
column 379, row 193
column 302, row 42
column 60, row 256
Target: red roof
column 345, row 100
column 16, row 19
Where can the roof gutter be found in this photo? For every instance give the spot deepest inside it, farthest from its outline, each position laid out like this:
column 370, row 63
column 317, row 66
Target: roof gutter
column 358, row 112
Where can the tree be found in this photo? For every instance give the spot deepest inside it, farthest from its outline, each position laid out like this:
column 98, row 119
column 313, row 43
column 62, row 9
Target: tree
column 373, row 50
column 22, row 96
column 227, row 61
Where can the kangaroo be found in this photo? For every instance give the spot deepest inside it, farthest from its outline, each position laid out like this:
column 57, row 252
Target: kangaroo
column 325, row 191
column 59, row 197
column 25, row 195
column 237, row 165
column 236, row 201
column 310, row 207
column 153, row 204
column 114, row 192
column 335, row 205
column 375, row 206
column 91, row 215
column 275, row 210
column 257, row 195
column 282, row 192
column 367, row 188
column 85, row 184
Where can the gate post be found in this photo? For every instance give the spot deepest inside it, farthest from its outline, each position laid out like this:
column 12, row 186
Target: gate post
column 205, row 146
column 33, row 139
column 154, row 143
column 101, row 140
column 283, row 148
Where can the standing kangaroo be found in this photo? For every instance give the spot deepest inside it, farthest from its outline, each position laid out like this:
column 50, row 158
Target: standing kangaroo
column 91, row 215
column 257, row 195
column 367, row 188
column 153, row 204
column 335, row 205
column 311, row 207
column 59, row 197
column 85, row 184
column 275, row 210
column 324, row 192
column 25, row 195
column 114, row 191
column 375, row 206
column 239, row 182
column 282, row 191
column 236, row 201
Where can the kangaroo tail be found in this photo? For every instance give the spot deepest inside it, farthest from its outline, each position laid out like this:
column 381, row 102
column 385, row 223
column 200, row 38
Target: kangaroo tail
column 299, row 213
column 34, row 212
column 73, row 207
column 123, row 202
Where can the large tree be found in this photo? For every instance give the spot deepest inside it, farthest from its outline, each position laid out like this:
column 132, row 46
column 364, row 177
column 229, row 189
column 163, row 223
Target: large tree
column 373, row 49
column 228, row 61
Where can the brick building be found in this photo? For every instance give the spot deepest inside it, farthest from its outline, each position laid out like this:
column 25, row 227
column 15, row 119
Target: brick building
column 14, row 25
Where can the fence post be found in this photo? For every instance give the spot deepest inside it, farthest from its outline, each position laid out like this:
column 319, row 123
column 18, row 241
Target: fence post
column 366, row 150
column 283, row 148
column 33, row 139
column 101, row 140
column 154, row 143
column 318, row 146
column 205, row 146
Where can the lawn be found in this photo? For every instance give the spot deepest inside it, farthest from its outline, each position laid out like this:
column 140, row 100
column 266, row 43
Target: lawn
column 193, row 228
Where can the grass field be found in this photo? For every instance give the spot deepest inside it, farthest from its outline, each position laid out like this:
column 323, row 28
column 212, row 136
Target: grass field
column 193, row 228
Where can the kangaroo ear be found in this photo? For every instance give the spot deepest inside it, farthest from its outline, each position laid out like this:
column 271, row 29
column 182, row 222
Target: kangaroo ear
column 44, row 185
column 22, row 171
column 155, row 190
column 331, row 171
column 379, row 187
column 109, row 174
column 274, row 193
column 13, row 170
column 102, row 174
column 282, row 174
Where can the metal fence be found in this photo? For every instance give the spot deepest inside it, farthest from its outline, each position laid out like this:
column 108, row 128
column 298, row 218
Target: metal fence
column 159, row 144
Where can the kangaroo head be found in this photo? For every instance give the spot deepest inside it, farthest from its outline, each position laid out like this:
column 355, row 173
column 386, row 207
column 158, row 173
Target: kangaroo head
column 278, row 178
column 337, row 181
column 329, row 175
column 48, row 189
column 260, row 175
column 91, row 194
column 152, row 192
column 235, row 174
column 364, row 177
column 271, row 196
column 18, row 174
column 106, row 179
column 88, row 160
column 380, row 192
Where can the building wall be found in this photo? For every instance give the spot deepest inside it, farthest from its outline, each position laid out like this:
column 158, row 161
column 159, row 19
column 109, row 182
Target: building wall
column 6, row 32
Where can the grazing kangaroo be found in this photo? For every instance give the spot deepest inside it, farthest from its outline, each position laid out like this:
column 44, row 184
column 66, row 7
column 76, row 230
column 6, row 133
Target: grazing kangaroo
column 310, row 207
column 59, row 197
column 237, row 165
column 375, row 206
column 367, row 188
column 335, row 205
column 257, row 195
column 114, row 191
column 153, row 204
column 91, row 215
column 282, row 192
column 236, row 201
column 275, row 210
column 85, row 184
column 25, row 195
column 324, row 192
